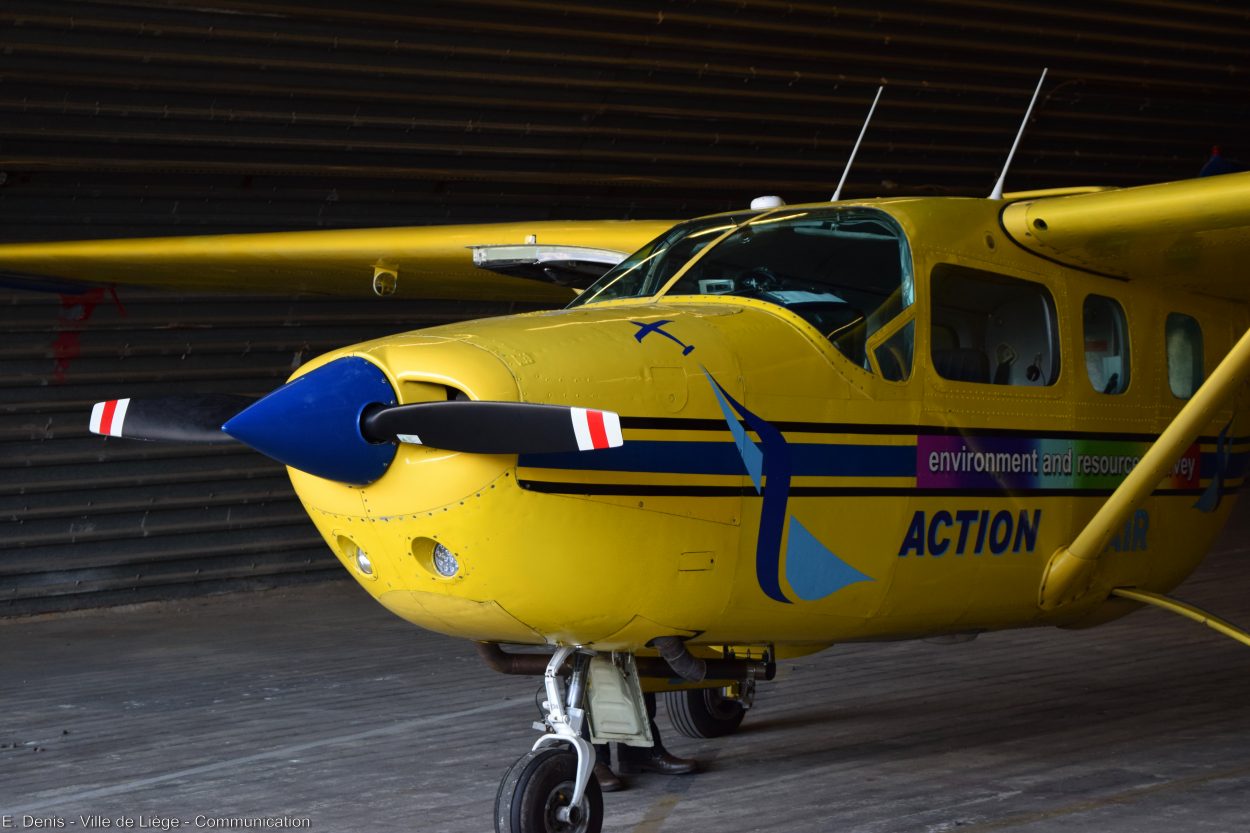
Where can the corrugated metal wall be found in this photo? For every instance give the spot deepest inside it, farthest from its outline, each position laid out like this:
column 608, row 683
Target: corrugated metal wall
column 137, row 117
column 92, row 522
column 168, row 117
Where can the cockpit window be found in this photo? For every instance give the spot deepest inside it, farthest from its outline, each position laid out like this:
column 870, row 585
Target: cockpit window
column 645, row 272
column 847, row 272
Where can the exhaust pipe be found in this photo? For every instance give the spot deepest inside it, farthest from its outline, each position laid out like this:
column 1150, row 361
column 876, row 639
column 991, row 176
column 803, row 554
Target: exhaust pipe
column 534, row 665
column 684, row 664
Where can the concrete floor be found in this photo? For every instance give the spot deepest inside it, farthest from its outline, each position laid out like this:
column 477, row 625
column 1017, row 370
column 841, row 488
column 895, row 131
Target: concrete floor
column 316, row 704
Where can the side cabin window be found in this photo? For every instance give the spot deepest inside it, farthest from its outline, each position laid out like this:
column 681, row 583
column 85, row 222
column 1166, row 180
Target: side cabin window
column 1106, row 344
column 847, row 272
column 1184, row 346
column 992, row 329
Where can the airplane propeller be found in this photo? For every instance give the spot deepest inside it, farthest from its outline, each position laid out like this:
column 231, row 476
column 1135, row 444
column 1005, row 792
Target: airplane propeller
column 195, row 418
column 341, row 422
column 493, row 427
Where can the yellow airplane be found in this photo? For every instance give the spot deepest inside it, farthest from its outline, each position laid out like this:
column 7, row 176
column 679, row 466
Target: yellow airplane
column 761, row 434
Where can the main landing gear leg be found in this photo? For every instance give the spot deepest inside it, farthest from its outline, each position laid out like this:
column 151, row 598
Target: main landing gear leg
column 551, row 790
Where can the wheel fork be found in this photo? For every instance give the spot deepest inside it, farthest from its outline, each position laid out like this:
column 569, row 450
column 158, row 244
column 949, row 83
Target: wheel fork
column 565, row 717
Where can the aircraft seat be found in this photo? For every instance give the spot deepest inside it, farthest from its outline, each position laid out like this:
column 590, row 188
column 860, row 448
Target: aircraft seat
column 962, row 364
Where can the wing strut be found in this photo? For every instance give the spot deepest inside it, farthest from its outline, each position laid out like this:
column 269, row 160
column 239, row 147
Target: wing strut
column 1180, row 608
column 1067, row 576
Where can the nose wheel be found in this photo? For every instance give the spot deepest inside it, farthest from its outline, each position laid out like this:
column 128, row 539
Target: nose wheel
column 552, row 789
column 535, row 796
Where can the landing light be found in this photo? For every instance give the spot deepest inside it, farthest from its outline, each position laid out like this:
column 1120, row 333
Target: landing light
column 445, row 562
column 363, row 564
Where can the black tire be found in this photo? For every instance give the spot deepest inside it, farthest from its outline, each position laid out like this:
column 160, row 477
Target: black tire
column 703, row 712
column 537, row 785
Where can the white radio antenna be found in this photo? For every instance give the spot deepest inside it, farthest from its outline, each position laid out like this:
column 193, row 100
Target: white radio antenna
column 997, row 193
column 855, row 149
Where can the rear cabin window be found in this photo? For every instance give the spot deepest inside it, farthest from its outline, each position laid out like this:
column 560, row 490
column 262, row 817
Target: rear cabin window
column 991, row 329
column 1106, row 344
column 1184, row 346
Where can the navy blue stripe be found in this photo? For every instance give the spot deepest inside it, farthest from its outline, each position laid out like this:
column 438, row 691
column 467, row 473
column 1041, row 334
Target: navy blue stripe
column 648, row 490
column 688, row 424
column 806, row 459
column 817, row 460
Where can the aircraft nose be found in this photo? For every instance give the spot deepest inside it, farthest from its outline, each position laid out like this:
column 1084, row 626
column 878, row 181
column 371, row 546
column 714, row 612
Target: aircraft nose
column 312, row 423
column 342, row 419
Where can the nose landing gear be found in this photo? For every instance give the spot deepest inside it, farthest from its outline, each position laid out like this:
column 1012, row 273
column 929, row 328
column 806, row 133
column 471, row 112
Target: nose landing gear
column 553, row 789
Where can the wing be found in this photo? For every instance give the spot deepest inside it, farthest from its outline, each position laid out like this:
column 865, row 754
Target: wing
column 459, row 262
column 1192, row 235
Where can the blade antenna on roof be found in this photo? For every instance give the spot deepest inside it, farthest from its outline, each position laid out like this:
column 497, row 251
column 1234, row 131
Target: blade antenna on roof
column 855, row 149
column 997, row 193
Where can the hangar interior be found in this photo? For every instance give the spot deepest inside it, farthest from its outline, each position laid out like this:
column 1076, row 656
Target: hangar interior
column 123, row 118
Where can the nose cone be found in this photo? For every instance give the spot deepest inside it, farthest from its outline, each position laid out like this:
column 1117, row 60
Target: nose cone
column 313, row 423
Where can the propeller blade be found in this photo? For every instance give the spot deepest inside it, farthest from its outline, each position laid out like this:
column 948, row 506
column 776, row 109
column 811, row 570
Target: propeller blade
column 493, row 427
column 190, row 419
column 340, row 421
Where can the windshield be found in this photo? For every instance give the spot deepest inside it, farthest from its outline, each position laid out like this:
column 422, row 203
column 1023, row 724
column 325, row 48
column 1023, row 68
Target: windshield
column 847, row 272
column 645, row 272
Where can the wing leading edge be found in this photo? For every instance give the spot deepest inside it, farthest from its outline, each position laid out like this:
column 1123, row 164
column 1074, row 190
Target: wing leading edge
column 1192, row 235
column 413, row 262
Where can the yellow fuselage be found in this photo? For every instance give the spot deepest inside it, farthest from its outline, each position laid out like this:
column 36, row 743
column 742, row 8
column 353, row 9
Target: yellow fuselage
column 665, row 537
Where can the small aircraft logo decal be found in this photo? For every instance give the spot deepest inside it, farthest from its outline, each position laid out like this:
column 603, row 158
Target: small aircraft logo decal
column 645, row 329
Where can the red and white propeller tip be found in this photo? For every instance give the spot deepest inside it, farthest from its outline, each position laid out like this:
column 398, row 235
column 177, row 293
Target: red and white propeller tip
column 193, row 418
column 596, row 429
column 109, row 418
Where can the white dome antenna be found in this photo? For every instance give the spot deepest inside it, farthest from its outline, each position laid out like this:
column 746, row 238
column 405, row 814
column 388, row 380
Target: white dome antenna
column 765, row 203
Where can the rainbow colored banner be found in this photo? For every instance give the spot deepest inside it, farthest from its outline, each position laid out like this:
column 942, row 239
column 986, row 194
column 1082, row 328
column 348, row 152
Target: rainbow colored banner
column 1021, row 463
